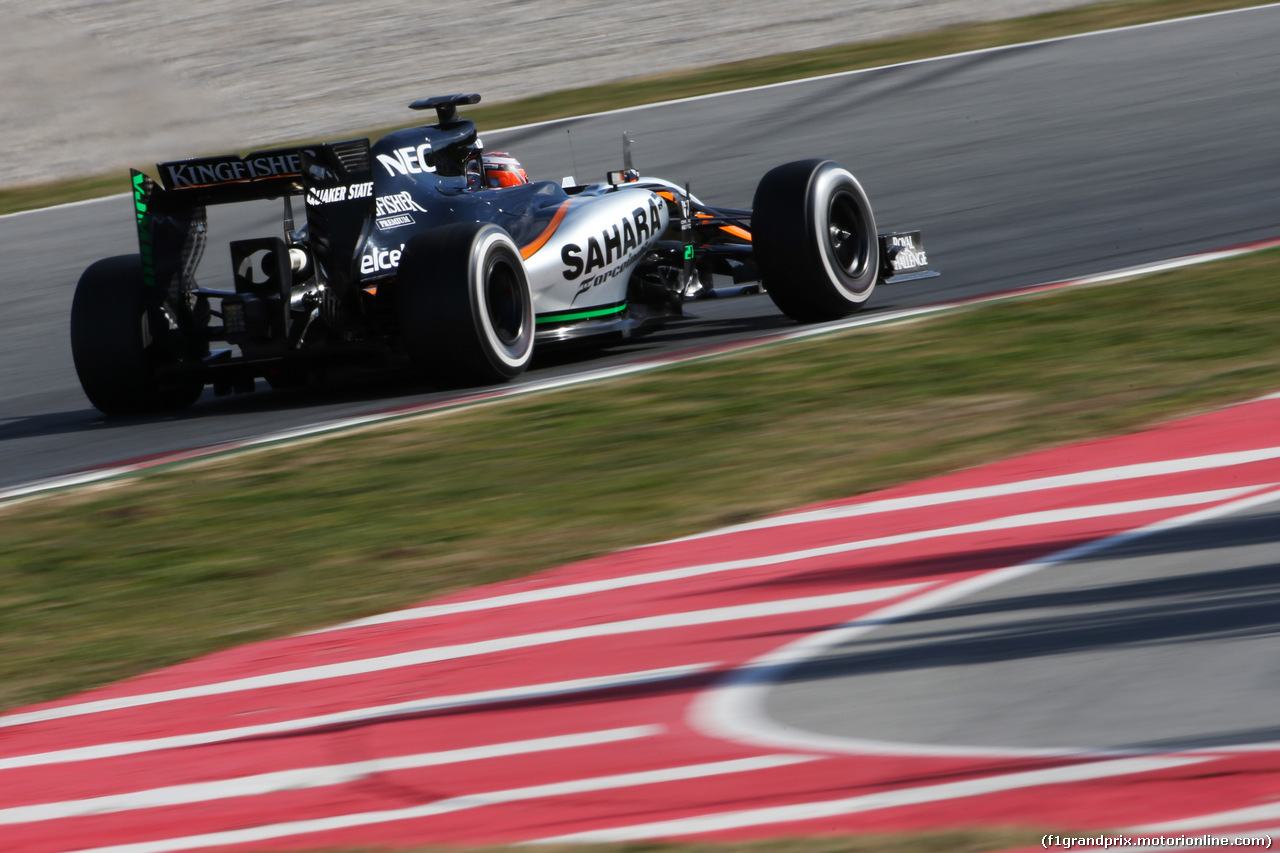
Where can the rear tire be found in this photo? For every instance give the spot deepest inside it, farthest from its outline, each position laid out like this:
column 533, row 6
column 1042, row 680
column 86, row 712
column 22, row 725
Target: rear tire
column 464, row 305
column 814, row 240
column 115, row 354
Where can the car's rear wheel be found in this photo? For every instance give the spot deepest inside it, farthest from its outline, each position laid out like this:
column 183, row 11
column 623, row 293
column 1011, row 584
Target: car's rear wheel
column 814, row 240
column 464, row 305
column 114, row 346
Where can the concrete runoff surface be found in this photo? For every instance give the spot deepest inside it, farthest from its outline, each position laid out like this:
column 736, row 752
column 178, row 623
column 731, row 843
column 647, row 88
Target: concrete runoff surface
column 1165, row 643
column 93, row 85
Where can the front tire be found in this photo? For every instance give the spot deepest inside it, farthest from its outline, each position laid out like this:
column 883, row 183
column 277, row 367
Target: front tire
column 464, row 305
column 814, row 240
column 115, row 353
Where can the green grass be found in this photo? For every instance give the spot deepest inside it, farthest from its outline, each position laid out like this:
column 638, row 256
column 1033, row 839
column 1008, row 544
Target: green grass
column 101, row 584
column 719, row 78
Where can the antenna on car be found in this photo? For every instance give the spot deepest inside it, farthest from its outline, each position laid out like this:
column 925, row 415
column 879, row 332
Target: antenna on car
column 572, row 158
column 446, row 106
column 626, row 151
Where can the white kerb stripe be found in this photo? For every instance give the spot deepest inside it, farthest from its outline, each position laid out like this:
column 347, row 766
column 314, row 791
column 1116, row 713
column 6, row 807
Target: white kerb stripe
column 309, row 777
column 1061, row 481
column 872, row 802
column 464, row 650
column 398, row 709
column 589, row 587
column 1252, row 814
column 456, row 804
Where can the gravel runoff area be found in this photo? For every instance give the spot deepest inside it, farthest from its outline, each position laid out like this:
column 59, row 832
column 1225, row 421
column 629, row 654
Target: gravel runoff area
column 95, row 85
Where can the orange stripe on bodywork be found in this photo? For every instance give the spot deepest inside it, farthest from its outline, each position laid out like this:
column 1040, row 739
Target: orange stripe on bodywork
column 526, row 252
column 740, row 233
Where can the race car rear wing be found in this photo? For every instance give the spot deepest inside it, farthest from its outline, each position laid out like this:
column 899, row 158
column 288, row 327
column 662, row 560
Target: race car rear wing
column 335, row 177
column 230, row 178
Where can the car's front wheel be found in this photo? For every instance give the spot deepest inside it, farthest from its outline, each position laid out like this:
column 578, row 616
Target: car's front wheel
column 116, row 351
column 815, row 240
column 464, row 305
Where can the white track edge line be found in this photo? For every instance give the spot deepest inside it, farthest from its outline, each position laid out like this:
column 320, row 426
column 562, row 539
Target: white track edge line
column 64, row 205
column 793, row 82
column 905, row 64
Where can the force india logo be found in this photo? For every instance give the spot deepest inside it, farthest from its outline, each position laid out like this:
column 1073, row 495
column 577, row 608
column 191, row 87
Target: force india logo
column 615, row 251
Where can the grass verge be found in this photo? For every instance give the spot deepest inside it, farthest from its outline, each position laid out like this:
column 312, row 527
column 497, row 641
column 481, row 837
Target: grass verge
column 101, row 584
column 728, row 76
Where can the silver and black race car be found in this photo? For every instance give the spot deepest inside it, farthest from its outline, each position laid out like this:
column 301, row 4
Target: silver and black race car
column 408, row 256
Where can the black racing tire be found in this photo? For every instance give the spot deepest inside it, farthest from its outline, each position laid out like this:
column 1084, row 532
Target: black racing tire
column 464, row 305
column 814, row 240
column 112, row 347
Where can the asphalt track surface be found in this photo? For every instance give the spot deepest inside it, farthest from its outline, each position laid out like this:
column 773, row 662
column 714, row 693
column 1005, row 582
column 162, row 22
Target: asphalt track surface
column 1022, row 165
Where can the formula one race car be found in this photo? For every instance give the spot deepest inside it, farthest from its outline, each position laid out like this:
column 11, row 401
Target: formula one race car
column 408, row 255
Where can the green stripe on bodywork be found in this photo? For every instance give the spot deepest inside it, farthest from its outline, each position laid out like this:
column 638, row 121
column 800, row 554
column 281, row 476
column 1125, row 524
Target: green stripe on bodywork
column 146, row 249
column 582, row 315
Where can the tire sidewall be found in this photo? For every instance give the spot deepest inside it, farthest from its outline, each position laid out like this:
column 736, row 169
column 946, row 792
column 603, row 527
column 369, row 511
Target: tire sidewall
column 828, row 182
column 791, row 215
column 443, row 306
column 493, row 249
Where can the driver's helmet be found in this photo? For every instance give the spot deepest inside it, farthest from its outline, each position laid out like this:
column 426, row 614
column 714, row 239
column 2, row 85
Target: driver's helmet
column 503, row 170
